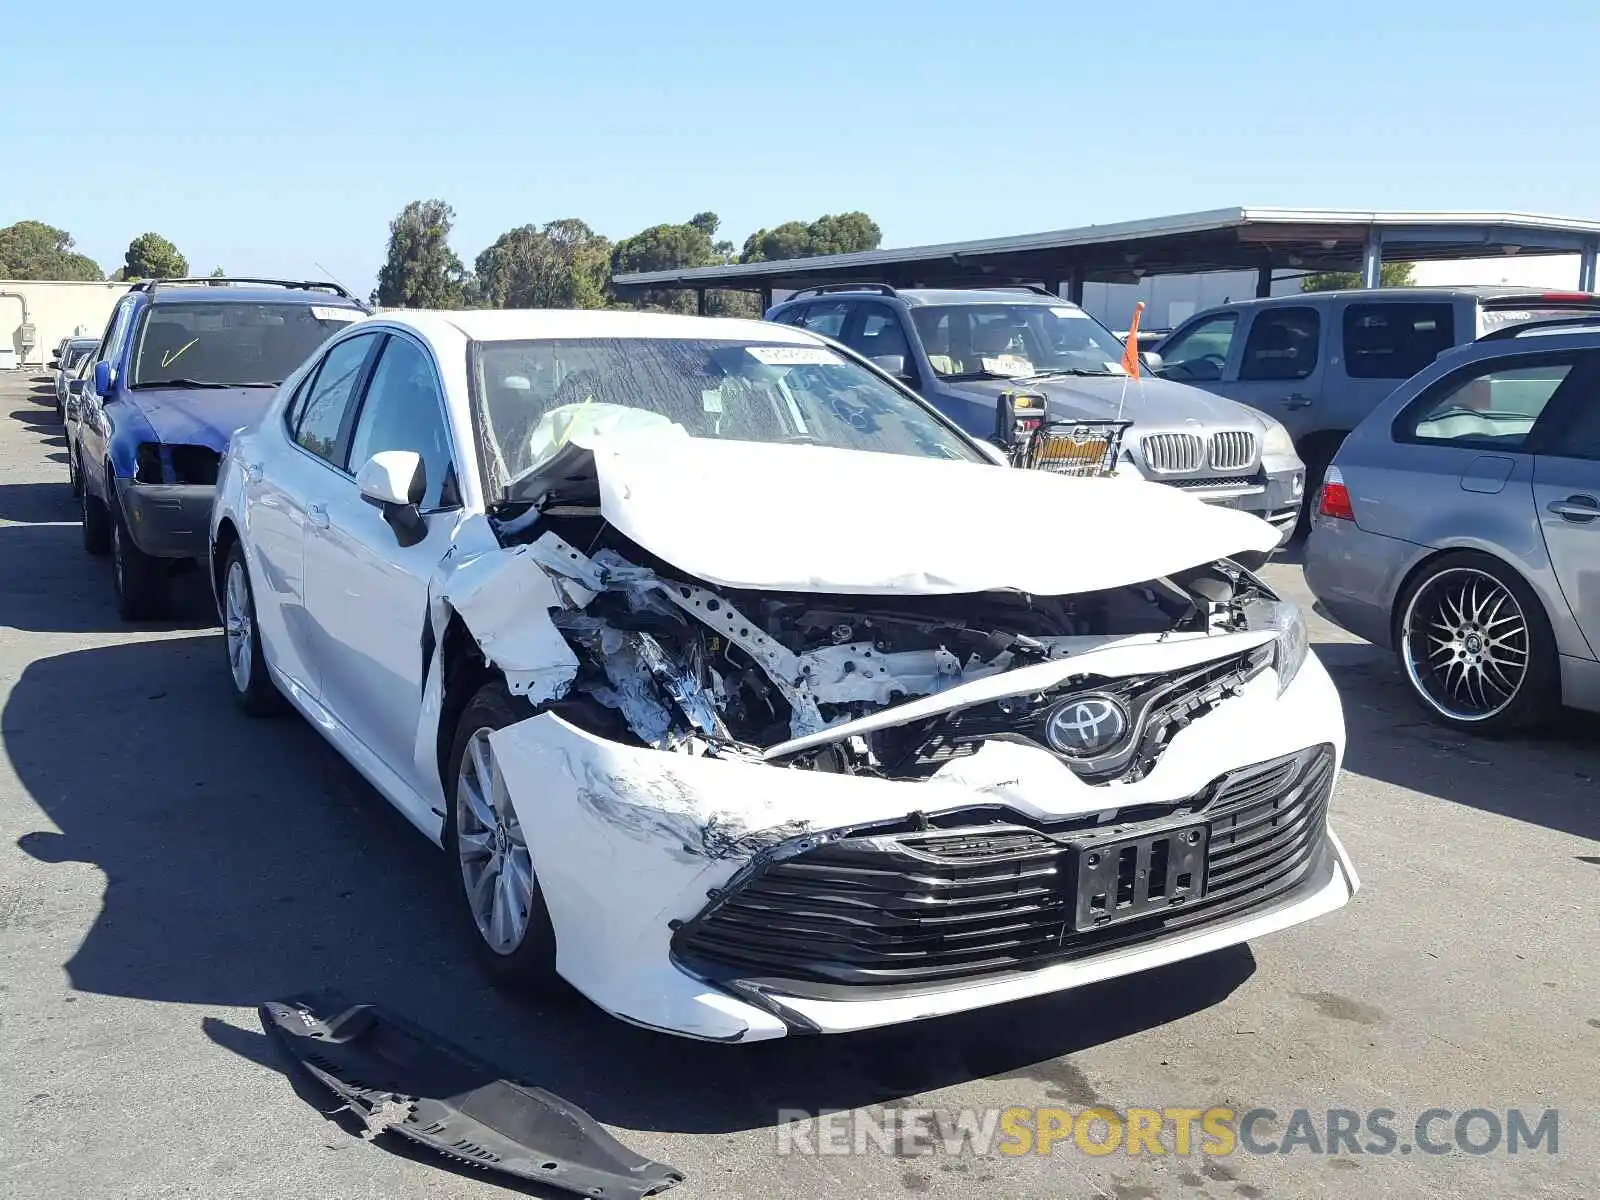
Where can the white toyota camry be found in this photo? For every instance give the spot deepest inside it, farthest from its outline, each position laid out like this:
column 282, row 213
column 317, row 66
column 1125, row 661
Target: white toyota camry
column 750, row 697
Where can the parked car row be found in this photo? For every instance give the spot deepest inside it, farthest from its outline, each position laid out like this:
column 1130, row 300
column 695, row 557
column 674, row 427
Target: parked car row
column 746, row 688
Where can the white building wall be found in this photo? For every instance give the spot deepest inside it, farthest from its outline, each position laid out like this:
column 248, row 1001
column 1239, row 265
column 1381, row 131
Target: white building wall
column 56, row 309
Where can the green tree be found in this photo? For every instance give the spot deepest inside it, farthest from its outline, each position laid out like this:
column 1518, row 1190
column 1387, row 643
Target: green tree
column 34, row 250
column 151, row 256
column 564, row 265
column 665, row 248
column 841, row 233
column 421, row 271
column 1396, row 274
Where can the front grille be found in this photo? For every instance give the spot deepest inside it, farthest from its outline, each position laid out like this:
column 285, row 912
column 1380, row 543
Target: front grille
column 923, row 908
column 1232, row 449
column 1234, row 483
column 1171, row 453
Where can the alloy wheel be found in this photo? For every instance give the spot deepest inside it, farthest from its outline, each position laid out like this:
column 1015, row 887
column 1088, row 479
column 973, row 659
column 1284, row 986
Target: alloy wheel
column 237, row 625
column 496, row 867
column 1465, row 644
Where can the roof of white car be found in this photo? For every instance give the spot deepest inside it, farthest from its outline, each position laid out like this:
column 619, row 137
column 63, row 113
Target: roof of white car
column 515, row 324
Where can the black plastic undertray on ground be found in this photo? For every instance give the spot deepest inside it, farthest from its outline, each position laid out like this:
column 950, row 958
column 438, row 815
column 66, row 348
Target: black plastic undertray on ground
column 397, row 1076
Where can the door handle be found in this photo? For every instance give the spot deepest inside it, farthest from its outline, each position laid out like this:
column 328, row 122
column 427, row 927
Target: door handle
column 1581, row 509
column 1297, row 400
column 317, row 514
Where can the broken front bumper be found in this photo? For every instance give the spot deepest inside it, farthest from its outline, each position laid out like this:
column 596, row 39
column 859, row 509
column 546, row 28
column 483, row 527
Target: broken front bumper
column 169, row 520
column 638, row 852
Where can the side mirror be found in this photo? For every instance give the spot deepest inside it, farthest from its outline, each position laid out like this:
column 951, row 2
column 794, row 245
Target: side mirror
column 103, row 377
column 1152, row 360
column 74, row 387
column 55, row 364
column 394, row 481
column 892, row 364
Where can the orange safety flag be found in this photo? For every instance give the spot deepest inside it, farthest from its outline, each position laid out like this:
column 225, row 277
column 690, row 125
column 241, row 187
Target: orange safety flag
column 1130, row 352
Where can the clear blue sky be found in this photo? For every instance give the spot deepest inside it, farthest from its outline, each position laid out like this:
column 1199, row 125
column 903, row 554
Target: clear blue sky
column 266, row 136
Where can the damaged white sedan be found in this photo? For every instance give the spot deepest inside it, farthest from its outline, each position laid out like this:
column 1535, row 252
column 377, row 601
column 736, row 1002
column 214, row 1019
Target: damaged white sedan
column 748, row 695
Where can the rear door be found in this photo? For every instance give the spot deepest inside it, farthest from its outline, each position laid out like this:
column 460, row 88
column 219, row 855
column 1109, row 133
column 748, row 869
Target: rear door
column 1281, row 366
column 1379, row 345
column 1566, row 495
column 286, row 498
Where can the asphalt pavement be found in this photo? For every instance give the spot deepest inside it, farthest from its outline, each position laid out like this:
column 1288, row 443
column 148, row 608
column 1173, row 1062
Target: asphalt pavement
column 166, row 864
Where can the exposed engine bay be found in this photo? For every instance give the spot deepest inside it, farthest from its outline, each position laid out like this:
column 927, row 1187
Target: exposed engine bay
column 826, row 682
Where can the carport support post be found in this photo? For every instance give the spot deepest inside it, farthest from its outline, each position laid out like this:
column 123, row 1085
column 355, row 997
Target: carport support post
column 1264, row 279
column 1075, row 286
column 1372, row 260
column 700, row 301
column 766, row 299
column 1586, row 266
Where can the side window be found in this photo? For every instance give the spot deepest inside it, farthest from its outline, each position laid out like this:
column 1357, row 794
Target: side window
column 404, row 410
column 790, row 316
column 326, row 409
column 1395, row 341
column 116, row 332
column 1282, row 344
column 1200, row 352
column 1493, row 406
column 1579, row 435
column 825, row 317
column 879, row 334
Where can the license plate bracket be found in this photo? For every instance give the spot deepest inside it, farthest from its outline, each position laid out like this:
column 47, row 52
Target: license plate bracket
column 1121, row 879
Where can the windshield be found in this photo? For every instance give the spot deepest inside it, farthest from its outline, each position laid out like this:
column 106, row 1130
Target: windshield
column 229, row 344
column 1015, row 341
column 528, row 391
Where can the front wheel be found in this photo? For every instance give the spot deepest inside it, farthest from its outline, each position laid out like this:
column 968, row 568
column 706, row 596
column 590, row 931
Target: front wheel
column 141, row 579
column 1475, row 646
column 489, row 854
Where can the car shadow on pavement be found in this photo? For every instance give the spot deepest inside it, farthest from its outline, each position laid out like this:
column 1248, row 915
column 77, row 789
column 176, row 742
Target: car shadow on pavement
column 50, row 584
column 245, row 860
column 1389, row 738
column 42, row 421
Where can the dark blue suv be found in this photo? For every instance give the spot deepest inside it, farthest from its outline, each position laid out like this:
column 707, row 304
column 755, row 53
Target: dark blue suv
column 183, row 363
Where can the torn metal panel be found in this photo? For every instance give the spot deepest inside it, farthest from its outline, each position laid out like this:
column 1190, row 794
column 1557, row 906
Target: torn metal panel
column 396, row 1076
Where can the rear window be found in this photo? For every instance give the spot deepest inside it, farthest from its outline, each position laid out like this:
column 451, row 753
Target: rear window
column 230, row 343
column 1395, row 341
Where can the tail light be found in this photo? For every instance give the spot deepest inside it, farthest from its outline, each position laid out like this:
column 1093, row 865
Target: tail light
column 1334, row 498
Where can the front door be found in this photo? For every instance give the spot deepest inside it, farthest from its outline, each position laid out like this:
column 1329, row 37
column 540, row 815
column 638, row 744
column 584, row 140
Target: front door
column 366, row 593
column 1280, row 369
column 1566, row 494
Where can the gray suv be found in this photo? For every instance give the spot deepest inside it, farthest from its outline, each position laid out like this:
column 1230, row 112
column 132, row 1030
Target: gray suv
column 963, row 350
column 1321, row 361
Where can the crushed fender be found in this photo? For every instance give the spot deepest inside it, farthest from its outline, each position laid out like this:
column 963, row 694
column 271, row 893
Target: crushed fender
column 397, row 1076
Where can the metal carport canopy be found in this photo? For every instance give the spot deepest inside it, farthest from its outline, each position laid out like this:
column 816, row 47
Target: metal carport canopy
column 1260, row 239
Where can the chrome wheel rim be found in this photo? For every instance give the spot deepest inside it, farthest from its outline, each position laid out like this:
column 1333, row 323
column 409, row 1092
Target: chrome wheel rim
column 496, row 867
column 1464, row 642
column 236, row 624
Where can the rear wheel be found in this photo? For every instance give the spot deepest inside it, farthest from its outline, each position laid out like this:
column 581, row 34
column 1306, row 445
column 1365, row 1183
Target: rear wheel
column 253, row 689
column 74, row 480
column 489, row 854
column 1475, row 646
column 140, row 579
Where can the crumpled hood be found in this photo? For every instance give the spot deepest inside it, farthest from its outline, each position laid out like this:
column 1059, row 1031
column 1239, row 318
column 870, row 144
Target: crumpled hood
column 200, row 416
column 815, row 519
column 1148, row 400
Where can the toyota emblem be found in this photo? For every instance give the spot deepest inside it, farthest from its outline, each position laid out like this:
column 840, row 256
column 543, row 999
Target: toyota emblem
column 1087, row 726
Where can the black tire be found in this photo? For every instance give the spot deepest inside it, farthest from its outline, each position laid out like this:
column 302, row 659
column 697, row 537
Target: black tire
column 140, row 579
column 1535, row 698
column 257, row 696
column 96, row 520
column 529, row 968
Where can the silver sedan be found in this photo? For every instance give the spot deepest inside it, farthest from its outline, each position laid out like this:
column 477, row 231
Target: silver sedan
column 1460, row 527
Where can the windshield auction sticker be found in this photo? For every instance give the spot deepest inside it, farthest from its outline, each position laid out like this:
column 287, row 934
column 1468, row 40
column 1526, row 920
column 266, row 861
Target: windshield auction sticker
column 793, row 356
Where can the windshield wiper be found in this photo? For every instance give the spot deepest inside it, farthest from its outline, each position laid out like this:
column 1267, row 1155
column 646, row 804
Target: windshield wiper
column 1070, row 371
column 203, row 383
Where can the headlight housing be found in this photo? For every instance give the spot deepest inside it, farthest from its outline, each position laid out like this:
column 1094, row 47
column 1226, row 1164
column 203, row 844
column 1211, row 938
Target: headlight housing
column 1277, row 443
column 1293, row 642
